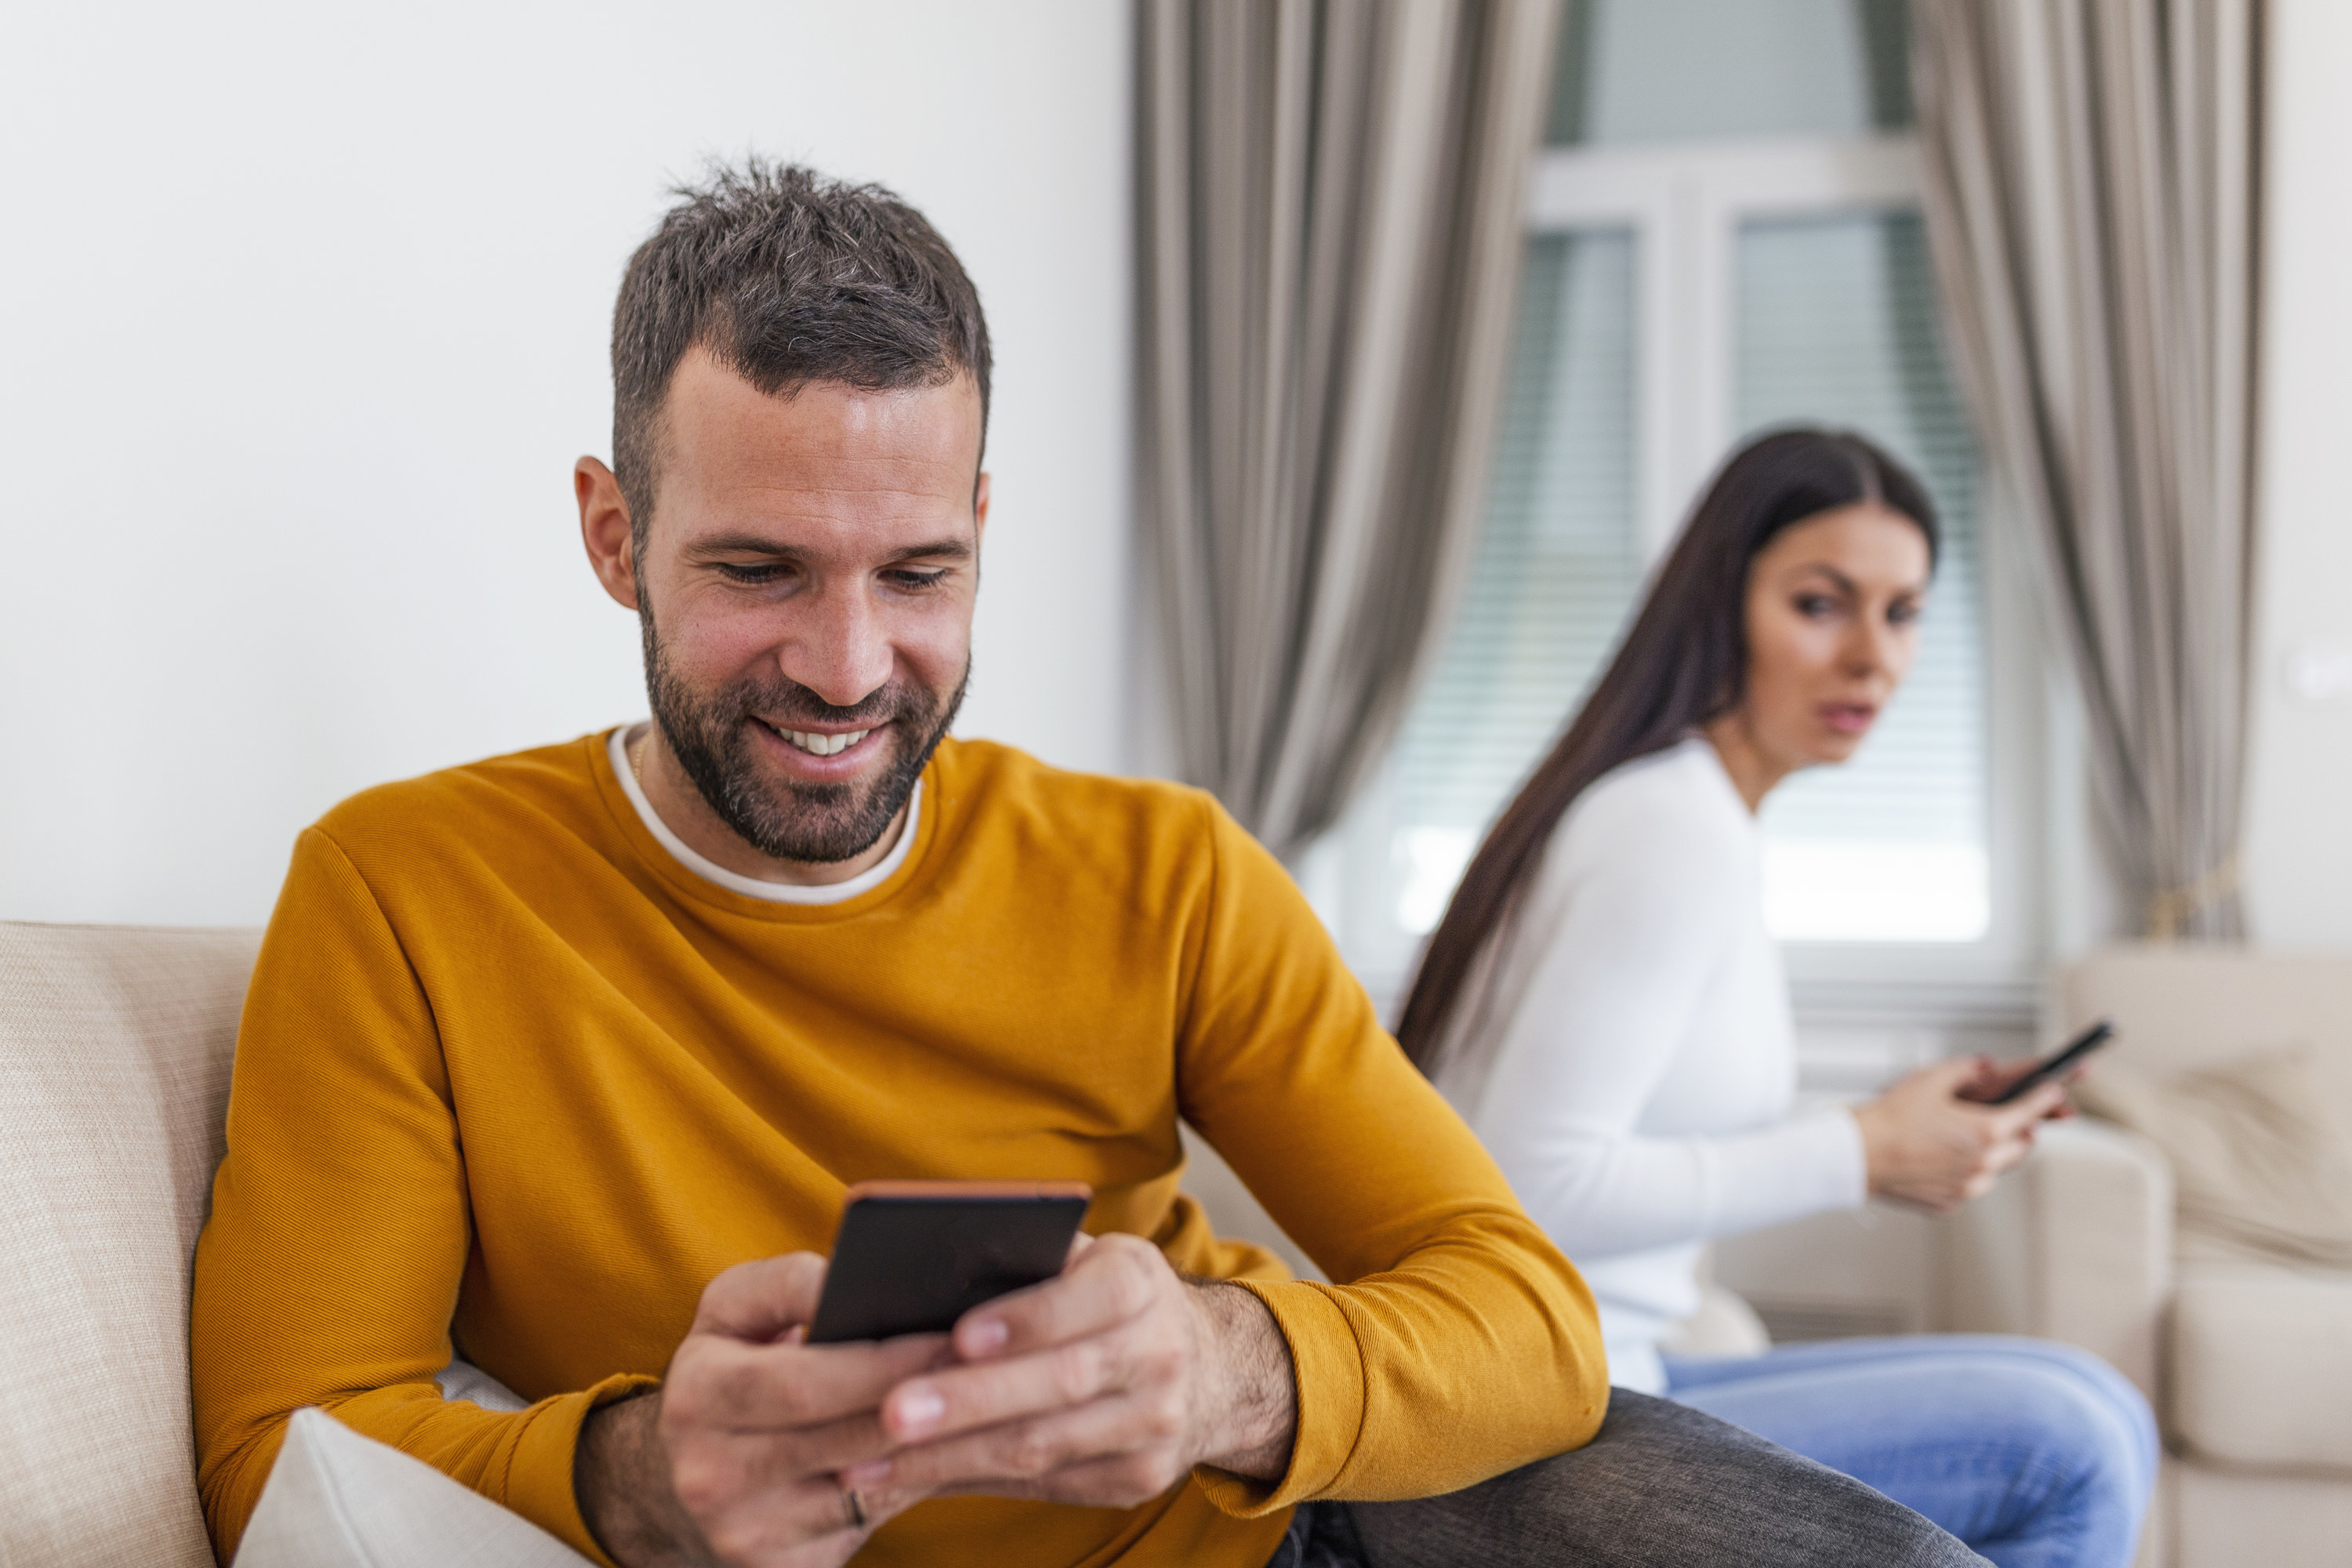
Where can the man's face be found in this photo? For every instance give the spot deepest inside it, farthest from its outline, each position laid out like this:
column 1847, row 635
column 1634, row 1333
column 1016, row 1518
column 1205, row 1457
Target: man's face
column 807, row 595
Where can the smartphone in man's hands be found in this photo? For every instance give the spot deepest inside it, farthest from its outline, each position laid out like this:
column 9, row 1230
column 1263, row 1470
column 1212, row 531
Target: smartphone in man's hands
column 912, row 1257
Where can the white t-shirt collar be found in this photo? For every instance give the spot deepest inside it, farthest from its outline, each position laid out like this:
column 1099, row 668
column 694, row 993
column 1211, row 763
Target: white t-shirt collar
column 736, row 882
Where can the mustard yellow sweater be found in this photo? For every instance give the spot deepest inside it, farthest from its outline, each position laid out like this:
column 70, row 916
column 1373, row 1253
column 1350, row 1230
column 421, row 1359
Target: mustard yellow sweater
column 514, row 1082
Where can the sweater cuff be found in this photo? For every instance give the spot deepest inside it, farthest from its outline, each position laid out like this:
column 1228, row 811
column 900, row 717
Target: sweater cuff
column 1328, row 1385
column 539, row 1485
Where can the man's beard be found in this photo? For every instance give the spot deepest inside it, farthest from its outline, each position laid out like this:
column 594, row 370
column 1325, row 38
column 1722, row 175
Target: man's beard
column 709, row 735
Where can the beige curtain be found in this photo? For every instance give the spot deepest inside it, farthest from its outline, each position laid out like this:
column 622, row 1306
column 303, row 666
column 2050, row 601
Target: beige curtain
column 2091, row 170
column 1331, row 226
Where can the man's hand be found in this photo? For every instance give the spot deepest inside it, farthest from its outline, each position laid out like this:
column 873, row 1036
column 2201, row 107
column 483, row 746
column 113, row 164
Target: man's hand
column 1103, row 1387
column 736, row 1459
column 1927, row 1145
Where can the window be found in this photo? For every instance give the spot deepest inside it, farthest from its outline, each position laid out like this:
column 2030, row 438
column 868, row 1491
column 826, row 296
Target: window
column 1557, row 566
column 1834, row 321
column 1723, row 235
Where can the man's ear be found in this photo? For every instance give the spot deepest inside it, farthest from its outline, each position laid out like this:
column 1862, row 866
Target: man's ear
column 980, row 508
column 605, row 529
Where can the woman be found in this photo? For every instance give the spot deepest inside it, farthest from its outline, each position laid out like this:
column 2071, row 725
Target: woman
column 1602, row 1002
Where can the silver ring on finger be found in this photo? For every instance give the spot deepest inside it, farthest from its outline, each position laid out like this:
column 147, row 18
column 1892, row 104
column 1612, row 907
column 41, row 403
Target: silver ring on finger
column 854, row 1505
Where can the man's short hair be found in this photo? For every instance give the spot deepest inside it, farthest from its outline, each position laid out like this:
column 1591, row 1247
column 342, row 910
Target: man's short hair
column 786, row 277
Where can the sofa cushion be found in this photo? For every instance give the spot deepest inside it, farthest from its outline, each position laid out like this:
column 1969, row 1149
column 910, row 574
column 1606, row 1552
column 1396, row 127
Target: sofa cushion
column 114, row 1063
column 336, row 1499
column 2262, row 1365
column 2260, row 1147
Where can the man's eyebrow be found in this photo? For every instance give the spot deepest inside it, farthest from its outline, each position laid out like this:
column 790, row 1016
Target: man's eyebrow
column 949, row 549
column 741, row 545
column 939, row 549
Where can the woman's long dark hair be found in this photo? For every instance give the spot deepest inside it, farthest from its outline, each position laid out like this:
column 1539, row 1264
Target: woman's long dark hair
column 1684, row 663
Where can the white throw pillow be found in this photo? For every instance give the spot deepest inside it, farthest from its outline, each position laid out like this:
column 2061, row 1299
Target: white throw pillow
column 336, row 1499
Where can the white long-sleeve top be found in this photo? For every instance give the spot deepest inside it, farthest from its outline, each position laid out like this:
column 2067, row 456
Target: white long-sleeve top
column 1630, row 1057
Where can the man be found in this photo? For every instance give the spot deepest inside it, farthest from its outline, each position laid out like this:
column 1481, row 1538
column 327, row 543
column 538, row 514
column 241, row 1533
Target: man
column 561, row 1063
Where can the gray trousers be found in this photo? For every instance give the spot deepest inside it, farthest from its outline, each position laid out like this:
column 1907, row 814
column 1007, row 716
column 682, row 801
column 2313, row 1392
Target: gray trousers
column 1661, row 1485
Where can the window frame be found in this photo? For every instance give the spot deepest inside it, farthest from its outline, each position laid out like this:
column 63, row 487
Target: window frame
column 1685, row 202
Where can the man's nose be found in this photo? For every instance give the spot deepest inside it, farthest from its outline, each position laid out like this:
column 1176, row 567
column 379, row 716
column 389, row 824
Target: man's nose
column 842, row 652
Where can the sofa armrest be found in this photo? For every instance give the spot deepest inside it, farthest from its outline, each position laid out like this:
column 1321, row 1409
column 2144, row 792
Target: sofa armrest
column 2076, row 1245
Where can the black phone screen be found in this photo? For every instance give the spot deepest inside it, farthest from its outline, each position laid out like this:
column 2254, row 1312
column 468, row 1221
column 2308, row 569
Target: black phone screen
column 912, row 1258
column 2080, row 1045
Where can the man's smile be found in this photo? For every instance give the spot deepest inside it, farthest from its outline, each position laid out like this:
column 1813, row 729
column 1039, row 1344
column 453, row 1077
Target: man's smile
column 821, row 743
column 829, row 756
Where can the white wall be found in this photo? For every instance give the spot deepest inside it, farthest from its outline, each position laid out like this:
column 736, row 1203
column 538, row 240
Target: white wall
column 2299, row 850
column 304, row 311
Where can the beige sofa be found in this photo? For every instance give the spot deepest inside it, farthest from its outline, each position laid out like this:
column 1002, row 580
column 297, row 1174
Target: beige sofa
column 114, row 1061
column 2249, row 1364
column 115, row 1046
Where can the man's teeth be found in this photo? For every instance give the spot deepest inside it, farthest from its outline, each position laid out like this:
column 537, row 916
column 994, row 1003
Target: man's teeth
column 823, row 745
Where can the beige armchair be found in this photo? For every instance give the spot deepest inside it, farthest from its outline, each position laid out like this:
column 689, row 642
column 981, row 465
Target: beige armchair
column 2249, row 1364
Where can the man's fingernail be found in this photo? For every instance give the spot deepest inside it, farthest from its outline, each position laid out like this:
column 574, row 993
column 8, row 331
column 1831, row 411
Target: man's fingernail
column 919, row 1409
column 985, row 1337
column 873, row 1473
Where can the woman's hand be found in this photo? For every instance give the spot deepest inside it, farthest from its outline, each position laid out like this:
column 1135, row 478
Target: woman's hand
column 1926, row 1145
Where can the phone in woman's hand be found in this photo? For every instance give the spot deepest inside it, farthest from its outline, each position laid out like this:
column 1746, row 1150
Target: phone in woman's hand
column 2055, row 1064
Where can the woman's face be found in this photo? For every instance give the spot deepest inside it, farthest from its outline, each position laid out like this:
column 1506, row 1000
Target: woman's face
column 1833, row 607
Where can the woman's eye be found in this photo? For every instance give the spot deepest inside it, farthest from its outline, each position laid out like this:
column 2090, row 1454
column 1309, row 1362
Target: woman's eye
column 1813, row 606
column 1902, row 614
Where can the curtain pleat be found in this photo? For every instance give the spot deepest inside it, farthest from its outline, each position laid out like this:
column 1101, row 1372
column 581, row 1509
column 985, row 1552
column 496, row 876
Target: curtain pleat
column 2092, row 183
column 1331, row 227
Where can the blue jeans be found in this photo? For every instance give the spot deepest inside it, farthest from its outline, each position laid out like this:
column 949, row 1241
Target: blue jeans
column 2036, row 1455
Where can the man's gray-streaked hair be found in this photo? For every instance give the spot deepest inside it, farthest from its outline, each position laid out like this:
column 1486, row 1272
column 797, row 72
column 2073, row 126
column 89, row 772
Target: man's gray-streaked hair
column 786, row 277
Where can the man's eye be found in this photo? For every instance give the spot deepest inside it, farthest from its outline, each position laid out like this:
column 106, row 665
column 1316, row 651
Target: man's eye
column 904, row 578
column 753, row 575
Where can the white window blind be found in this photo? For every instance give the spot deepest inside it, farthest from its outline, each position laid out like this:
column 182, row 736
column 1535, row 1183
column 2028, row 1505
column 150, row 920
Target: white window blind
column 1836, row 325
column 1557, row 567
